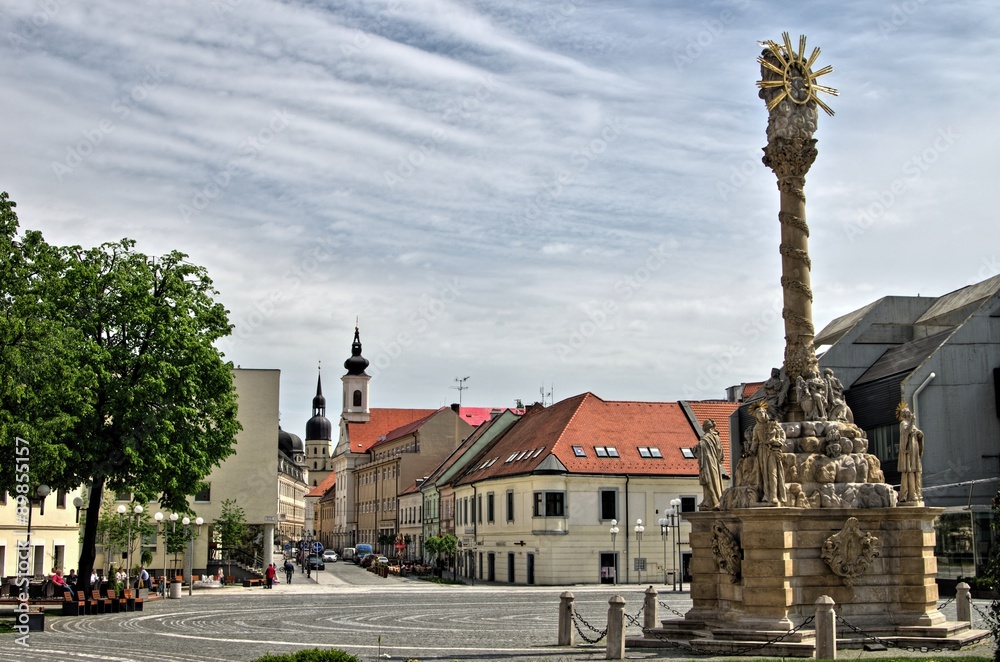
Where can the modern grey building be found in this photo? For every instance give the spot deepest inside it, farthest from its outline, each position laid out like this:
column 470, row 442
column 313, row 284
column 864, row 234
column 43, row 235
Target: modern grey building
column 940, row 355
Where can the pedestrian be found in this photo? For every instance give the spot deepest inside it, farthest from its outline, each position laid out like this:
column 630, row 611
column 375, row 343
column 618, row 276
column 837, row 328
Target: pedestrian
column 289, row 571
column 270, row 573
column 60, row 583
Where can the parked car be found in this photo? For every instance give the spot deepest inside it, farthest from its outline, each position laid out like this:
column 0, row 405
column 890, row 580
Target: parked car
column 381, row 560
column 368, row 560
column 316, row 563
column 329, row 556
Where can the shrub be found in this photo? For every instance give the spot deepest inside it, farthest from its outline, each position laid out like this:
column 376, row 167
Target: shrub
column 310, row 655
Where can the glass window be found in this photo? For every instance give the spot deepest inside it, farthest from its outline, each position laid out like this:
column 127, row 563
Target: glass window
column 123, row 496
column 204, row 495
column 612, row 451
column 550, row 504
column 489, row 507
column 687, row 453
column 609, row 504
column 643, row 451
column 688, row 504
column 61, row 499
column 655, row 452
column 510, row 505
column 884, row 442
column 601, row 451
column 579, row 452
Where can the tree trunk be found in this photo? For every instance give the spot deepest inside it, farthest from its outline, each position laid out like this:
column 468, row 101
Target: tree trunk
column 88, row 549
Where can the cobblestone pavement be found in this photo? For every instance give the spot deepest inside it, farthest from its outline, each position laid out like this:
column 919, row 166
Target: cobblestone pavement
column 353, row 610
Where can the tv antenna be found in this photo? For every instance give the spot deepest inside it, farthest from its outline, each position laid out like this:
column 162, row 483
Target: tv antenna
column 545, row 395
column 461, row 387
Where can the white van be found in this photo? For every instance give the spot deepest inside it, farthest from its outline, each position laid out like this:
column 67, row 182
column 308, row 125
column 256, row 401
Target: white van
column 348, row 554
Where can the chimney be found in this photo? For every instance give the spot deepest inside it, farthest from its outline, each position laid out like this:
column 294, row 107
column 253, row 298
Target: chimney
column 455, row 407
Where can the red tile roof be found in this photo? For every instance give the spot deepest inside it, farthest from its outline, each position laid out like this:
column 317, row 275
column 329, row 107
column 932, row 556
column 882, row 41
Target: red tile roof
column 476, row 415
column 548, row 435
column 750, row 388
column 323, row 487
column 382, row 421
column 718, row 411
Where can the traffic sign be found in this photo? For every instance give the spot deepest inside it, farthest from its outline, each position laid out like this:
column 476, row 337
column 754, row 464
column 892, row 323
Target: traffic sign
column 287, row 547
column 317, row 547
column 303, row 544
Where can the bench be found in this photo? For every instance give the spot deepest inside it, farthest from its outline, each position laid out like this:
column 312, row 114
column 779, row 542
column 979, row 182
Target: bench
column 132, row 603
column 117, row 604
column 100, row 604
column 73, row 606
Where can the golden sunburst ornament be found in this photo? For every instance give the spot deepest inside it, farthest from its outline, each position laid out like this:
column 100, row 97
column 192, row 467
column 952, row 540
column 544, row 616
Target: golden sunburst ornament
column 797, row 82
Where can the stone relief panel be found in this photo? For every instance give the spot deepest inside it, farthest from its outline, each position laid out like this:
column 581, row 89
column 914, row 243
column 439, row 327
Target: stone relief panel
column 727, row 552
column 850, row 552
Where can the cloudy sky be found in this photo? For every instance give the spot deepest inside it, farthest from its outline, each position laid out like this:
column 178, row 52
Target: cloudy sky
column 564, row 194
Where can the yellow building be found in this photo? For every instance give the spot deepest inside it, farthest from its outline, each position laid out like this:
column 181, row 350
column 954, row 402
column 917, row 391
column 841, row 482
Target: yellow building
column 54, row 539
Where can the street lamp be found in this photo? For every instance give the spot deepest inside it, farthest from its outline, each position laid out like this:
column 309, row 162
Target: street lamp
column 78, row 504
column 189, row 563
column 41, row 492
column 639, row 528
column 128, row 556
column 614, row 552
column 675, row 518
column 664, row 533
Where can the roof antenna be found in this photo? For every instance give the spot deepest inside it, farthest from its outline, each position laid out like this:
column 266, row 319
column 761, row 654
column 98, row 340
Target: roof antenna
column 461, row 387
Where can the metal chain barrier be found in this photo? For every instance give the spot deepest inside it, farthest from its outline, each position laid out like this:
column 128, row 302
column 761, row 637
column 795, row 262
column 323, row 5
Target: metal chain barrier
column 688, row 648
column 634, row 620
column 670, row 609
column 987, row 617
column 578, row 619
column 946, row 603
column 887, row 643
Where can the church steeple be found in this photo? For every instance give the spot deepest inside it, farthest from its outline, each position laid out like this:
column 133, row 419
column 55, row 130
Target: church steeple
column 319, row 428
column 356, row 384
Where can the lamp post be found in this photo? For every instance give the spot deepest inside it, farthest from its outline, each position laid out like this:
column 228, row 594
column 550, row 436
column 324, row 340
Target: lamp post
column 41, row 492
column 189, row 563
column 675, row 517
column 639, row 528
column 664, row 533
column 78, row 504
column 128, row 556
column 614, row 552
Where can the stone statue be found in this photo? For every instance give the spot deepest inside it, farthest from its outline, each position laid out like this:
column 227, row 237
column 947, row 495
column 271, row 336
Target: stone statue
column 811, row 391
column 710, row 460
column 911, row 450
column 767, row 444
column 836, row 405
column 776, row 391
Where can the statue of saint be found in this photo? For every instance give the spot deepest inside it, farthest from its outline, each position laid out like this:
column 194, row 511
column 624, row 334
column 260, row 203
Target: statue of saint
column 710, row 460
column 911, row 450
column 776, row 391
column 836, row 405
column 811, row 390
column 767, row 443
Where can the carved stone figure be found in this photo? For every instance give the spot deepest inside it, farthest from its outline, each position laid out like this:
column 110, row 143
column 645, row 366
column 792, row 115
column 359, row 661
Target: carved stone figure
column 811, row 391
column 911, row 450
column 836, row 405
column 850, row 552
column 710, row 460
column 776, row 391
column 726, row 551
column 766, row 444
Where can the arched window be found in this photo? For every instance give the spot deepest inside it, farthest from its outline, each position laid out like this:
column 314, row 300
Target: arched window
column 314, row 465
column 357, row 398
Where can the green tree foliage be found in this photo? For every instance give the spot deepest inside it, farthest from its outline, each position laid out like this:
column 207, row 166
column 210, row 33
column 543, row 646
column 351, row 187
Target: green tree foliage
column 442, row 547
column 231, row 529
column 993, row 577
column 311, row 655
column 109, row 369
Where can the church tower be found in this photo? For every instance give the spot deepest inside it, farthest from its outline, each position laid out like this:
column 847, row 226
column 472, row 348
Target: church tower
column 319, row 439
column 356, row 385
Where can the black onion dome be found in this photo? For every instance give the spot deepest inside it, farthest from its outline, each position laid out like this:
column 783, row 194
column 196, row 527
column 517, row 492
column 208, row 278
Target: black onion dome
column 356, row 364
column 290, row 444
column 319, row 427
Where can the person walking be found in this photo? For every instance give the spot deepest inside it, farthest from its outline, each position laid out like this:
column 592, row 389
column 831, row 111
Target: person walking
column 270, row 574
column 289, row 571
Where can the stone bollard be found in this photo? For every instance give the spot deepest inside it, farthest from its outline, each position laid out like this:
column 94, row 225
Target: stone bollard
column 616, row 629
column 963, row 602
column 567, row 614
column 649, row 609
column 826, row 629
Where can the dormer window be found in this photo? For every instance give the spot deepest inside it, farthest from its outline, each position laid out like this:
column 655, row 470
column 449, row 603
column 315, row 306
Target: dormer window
column 579, row 451
column 687, row 453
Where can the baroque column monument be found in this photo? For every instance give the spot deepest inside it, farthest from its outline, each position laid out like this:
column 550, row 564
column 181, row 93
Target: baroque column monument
column 809, row 513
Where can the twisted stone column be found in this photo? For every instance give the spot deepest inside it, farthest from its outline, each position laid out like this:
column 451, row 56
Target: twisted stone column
column 789, row 87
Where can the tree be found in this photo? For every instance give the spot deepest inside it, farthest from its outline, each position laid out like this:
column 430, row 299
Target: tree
column 442, row 547
column 992, row 615
column 231, row 527
column 110, row 371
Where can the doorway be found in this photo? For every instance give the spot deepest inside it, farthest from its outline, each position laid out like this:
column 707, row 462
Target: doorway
column 531, row 568
column 609, row 567
column 510, row 567
column 491, row 567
